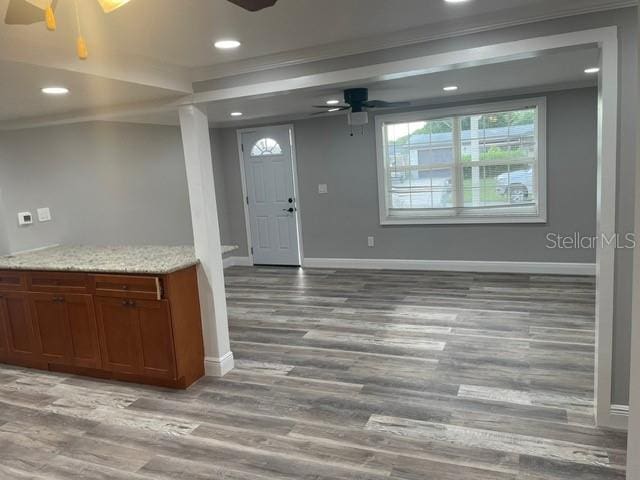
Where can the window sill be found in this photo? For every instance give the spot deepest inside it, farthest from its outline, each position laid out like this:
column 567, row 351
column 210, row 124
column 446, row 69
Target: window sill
column 522, row 219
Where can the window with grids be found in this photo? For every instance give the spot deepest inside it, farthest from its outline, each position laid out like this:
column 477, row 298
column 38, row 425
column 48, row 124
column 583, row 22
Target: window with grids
column 475, row 164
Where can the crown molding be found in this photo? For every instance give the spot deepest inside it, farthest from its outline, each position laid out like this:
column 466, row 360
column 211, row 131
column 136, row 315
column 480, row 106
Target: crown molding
column 413, row 36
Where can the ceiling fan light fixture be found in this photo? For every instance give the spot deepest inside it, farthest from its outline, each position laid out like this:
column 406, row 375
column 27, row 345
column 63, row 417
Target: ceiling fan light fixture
column 109, row 6
column 333, row 102
column 50, row 18
column 226, row 44
column 81, row 48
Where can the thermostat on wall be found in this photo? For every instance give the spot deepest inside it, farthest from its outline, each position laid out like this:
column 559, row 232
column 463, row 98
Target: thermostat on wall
column 25, row 218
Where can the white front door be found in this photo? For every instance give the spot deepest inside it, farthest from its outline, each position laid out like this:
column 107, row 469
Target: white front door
column 269, row 174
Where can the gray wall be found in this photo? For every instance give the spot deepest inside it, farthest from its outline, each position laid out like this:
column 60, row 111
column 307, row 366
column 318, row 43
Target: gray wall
column 4, row 236
column 222, row 195
column 337, row 225
column 106, row 183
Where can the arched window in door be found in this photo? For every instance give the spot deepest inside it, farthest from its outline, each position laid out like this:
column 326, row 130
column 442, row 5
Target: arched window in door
column 266, row 146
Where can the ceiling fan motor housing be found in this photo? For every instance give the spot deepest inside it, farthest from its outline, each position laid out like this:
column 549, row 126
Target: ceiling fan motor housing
column 356, row 97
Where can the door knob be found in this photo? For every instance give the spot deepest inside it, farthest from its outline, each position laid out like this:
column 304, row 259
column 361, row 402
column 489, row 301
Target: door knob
column 290, row 210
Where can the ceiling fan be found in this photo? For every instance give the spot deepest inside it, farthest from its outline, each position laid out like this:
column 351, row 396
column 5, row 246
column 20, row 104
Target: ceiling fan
column 358, row 103
column 27, row 12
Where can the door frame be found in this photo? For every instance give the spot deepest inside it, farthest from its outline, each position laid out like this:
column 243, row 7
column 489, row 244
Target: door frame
column 296, row 190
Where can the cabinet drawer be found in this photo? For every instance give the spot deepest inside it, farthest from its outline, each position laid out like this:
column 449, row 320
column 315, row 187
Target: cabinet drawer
column 126, row 286
column 58, row 282
column 12, row 280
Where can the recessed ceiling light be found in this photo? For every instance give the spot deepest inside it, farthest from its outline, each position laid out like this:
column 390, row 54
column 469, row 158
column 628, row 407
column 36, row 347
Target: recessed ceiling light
column 450, row 88
column 55, row 90
column 333, row 109
column 333, row 102
column 226, row 44
column 592, row 70
column 236, row 114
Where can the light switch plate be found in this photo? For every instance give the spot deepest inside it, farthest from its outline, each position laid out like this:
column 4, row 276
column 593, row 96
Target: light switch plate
column 371, row 242
column 44, row 214
column 322, row 188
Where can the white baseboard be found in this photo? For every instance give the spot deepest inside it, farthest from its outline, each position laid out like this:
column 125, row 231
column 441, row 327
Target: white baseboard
column 548, row 268
column 218, row 367
column 236, row 262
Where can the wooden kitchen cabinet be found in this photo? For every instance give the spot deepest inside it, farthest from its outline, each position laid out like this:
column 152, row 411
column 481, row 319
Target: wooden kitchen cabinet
column 66, row 329
column 19, row 335
column 140, row 328
column 4, row 344
column 136, row 336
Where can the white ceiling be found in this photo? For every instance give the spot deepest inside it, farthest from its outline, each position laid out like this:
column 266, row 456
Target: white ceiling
column 181, row 32
column 150, row 49
column 20, row 95
column 558, row 70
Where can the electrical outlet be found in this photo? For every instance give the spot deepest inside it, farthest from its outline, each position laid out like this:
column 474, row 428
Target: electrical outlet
column 322, row 188
column 371, row 241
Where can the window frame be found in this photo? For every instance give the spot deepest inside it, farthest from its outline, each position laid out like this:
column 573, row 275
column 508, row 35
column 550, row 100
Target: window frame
column 490, row 215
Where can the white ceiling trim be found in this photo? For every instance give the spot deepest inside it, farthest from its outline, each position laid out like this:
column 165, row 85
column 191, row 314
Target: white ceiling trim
column 423, row 34
column 497, row 53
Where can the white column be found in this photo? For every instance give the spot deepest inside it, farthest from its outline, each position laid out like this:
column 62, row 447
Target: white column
column 633, row 446
column 196, row 143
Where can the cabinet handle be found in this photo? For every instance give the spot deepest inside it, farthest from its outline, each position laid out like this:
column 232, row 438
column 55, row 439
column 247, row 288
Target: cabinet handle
column 58, row 299
column 125, row 287
column 128, row 303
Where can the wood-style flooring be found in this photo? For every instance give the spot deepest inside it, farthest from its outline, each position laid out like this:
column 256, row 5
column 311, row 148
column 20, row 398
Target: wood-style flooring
column 344, row 374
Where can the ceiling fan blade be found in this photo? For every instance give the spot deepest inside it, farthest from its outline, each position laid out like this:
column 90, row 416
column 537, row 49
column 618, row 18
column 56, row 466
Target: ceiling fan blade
column 254, row 5
column 332, row 106
column 383, row 104
column 109, row 6
column 22, row 12
column 331, row 110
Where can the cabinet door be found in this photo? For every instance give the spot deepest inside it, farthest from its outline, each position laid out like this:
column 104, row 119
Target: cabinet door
column 119, row 329
column 65, row 328
column 51, row 327
column 4, row 343
column 20, row 337
column 84, row 348
column 156, row 336
column 136, row 337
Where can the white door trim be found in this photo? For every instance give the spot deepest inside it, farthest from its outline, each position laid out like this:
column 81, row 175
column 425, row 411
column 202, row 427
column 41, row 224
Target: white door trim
column 296, row 190
column 633, row 445
column 607, row 39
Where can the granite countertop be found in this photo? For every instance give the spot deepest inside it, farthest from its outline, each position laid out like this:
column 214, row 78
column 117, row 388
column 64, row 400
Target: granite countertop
column 124, row 259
